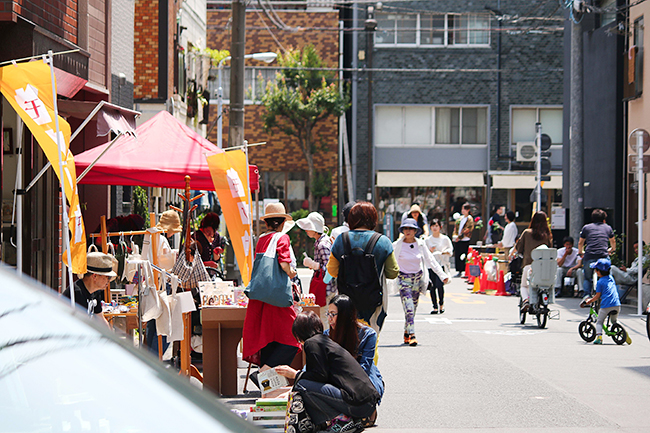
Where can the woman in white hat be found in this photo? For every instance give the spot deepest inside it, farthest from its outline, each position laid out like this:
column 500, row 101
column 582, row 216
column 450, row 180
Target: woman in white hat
column 88, row 289
column 416, row 213
column 314, row 226
column 268, row 340
column 413, row 258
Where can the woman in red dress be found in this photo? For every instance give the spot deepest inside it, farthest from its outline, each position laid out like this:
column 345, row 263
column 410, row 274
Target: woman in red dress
column 268, row 339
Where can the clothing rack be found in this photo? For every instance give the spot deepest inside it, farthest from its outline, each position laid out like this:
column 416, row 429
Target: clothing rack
column 186, row 367
column 162, row 271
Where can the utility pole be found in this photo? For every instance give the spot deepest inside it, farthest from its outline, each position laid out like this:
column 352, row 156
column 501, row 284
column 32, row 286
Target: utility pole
column 576, row 160
column 237, row 52
column 354, row 94
column 370, row 26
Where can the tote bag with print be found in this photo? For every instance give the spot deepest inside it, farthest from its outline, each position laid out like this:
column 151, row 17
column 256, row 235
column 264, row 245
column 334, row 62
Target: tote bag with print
column 269, row 283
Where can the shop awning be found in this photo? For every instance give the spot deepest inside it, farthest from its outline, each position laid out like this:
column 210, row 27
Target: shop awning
column 110, row 117
column 524, row 181
column 429, row 179
column 163, row 152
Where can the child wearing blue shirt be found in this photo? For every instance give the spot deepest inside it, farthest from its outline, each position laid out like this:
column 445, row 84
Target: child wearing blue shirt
column 607, row 293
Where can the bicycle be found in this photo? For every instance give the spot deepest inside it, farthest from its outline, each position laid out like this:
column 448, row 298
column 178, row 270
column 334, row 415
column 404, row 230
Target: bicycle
column 587, row 328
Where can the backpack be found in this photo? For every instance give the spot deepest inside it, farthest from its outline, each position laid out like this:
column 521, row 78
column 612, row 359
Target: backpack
column 358, row 277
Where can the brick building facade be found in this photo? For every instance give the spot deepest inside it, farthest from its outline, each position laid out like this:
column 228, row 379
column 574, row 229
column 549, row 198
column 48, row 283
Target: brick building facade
column 282, row 164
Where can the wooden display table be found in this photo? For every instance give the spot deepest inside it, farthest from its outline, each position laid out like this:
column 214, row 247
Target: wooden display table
column 131, row 320
column 222, row 332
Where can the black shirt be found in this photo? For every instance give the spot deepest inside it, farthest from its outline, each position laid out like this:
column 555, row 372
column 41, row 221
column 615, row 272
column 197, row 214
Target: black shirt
column 91, row 302
column 328, row 362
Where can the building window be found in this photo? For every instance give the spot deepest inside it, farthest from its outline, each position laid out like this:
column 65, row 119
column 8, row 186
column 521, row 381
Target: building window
column 432, row 30
column 256, row 81
column 524, row 119
column 425, row 125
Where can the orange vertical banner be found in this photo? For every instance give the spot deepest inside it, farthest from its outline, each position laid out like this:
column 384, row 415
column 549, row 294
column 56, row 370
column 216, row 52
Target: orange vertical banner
column 229, row 171
column 28, row 88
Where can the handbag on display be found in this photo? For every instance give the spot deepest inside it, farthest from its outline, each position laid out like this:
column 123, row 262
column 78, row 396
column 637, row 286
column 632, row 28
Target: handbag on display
column 191, row 274
column 164, row 254
column 151, row 306
column 121, row 253
column 163, row 323
column 269, row 283
column 318, row 287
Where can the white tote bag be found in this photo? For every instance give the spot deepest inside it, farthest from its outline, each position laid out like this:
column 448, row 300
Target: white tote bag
column 151, row 307
column 164, row 322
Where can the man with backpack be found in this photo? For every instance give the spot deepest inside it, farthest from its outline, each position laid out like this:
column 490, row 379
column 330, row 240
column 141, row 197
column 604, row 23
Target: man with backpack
column 362, row 259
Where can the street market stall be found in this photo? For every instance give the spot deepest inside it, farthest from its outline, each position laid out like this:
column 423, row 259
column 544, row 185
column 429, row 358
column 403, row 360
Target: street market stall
column 164, row 154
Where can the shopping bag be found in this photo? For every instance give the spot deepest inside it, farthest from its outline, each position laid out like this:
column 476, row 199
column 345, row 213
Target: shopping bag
column 164, row 254
column 151, row 307
column 163, row 323
column 318, row 288
column 269, row 283
column 297, row 419
column 190, row 274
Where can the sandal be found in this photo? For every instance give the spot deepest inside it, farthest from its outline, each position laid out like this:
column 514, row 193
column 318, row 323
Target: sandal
column 369, row 421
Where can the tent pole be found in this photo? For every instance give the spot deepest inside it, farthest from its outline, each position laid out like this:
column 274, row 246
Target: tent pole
column 249, row 199
column 92, row 164
column 64, row 207
column 18, row 198
column 85, row 122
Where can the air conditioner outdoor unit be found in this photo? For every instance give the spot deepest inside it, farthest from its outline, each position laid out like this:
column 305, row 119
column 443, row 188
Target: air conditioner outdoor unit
column 526, row 151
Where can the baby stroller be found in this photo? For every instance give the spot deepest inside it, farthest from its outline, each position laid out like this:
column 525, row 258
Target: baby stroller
column 515, row 270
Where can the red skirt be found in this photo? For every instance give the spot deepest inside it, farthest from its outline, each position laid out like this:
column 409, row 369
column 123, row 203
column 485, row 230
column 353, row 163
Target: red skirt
column 264, row 324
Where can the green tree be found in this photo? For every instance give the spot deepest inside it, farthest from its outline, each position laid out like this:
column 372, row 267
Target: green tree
column 301, row 97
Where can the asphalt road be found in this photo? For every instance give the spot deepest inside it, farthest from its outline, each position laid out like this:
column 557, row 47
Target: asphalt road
column 477, row 369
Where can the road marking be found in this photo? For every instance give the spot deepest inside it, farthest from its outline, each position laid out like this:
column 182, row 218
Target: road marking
column 438, row 320
column 462, row 298
column 507, row 333
column 441, row 320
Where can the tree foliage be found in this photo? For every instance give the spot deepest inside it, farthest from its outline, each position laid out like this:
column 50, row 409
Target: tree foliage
column 302, row 96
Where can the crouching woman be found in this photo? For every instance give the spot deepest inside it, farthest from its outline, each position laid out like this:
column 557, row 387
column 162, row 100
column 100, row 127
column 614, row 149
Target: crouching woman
column 336, row 391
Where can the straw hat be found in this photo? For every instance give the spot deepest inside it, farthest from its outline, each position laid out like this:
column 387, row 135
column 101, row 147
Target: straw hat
column 101, row 264
column 314, row 221
column 275, row 210
column 170, row 222
column 415, row 208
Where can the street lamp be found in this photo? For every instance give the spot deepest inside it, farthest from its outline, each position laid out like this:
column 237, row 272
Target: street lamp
column 264, row 57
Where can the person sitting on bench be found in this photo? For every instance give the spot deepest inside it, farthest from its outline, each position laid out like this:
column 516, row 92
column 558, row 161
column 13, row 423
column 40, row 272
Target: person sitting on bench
column 568, row 263
column 630, row 276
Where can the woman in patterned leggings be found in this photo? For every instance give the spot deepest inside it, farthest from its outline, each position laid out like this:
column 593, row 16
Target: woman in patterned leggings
column 413, row 258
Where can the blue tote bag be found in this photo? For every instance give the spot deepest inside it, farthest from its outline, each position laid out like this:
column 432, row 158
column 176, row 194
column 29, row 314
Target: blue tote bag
column 269, row 283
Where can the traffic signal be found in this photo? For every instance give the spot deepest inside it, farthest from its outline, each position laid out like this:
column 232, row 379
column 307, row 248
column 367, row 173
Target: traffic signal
column 543, row 145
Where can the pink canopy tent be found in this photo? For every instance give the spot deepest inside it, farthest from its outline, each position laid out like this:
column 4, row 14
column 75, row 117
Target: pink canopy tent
column 164, row 152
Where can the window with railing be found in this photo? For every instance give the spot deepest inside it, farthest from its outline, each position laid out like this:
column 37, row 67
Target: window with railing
column 255, row 84
column 432, row 30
